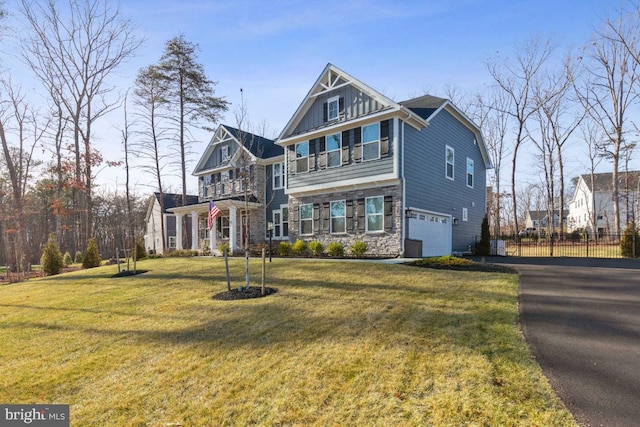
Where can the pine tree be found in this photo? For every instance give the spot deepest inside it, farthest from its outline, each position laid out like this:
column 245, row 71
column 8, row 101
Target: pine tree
column 51, row 260
column 92, row 256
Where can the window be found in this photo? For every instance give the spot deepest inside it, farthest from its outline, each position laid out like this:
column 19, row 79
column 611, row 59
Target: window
column 306, row 219
column 224, row 153
column 278, row 176
column 333, row 108
column 371, row 142
column 375, row 214
column 449, row 158
column 172, row 242
column 223, row 227
column 334, row 153
column 338, row 217
column 469, row 173
column 285, row 220
column 302, row 157
column 465, row 214
column 224, row 180
column 280, row 222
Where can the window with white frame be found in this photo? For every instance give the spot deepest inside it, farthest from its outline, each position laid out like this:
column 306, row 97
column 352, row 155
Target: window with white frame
column 449, row 161
column 333, row 108
column 224, row 182
column 302, row 157
column 223, row 227
column 224, row 153
column 371, row 142
column 465, row 214
column 306, row 219
column 470, row 173
column 281, row 222
column 172, row 242
column 334, row 146
column 285, row 220
column 338, row 217
column 278, row 176
column 374, row 210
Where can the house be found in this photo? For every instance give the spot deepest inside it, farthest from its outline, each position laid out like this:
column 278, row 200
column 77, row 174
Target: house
column 243, row 174
column 539, row 219
column 591, row 208
column 407, row 178
column 154, row 217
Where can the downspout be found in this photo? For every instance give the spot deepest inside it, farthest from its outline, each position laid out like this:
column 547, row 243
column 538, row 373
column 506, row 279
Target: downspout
column 404, row 193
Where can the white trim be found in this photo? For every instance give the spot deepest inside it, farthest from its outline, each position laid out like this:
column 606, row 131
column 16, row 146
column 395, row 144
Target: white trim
column 366, row 215
column 300, row 219
column 473, row 173
column 273, row 176
column 344, row 217
column 330, row 101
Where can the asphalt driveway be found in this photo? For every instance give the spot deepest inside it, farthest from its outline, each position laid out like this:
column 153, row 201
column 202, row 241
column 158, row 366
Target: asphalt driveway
column 581, row 318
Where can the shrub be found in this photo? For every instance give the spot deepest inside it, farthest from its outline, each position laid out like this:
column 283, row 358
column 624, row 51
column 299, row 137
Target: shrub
column 67, row 260
column 358, row 248
column 335, row 249
column 181, row 253
column 79, row 258
column 626, row 242
column 92, row 256
column 316, row 247
column 285, row 249
column 222, row 247
column 483, row 247
column 141, row 252
column 51, row 261
column 300, row 247
column 206, row 250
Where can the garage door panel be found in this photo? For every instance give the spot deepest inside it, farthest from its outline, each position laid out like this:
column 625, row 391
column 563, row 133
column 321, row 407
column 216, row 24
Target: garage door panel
column 434, row 231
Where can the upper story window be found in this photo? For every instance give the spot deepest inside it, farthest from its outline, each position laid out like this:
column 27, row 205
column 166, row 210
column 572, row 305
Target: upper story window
column 224, row 180
column 278, row 176
column 338, row 217
column 470, row 173
column 334, row 145
column 224, row 153
column 374, row 214
column 449, row 160
column 371, row 142
column 302, row 157
column 333, row 108
column 306, row 219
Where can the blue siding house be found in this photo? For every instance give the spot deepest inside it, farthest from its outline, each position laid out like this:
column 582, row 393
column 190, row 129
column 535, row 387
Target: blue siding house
column 408, row 178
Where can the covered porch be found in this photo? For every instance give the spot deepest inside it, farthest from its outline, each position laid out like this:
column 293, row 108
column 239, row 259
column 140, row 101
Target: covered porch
column 231, row 226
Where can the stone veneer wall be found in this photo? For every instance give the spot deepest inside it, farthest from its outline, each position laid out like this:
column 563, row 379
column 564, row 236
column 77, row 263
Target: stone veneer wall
column 380, row 244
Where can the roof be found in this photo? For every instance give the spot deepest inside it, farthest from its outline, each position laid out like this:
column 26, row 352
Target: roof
column 258, row 146
column 543, row 214
column 603, row 182
column 424, row 106
column 172, row 200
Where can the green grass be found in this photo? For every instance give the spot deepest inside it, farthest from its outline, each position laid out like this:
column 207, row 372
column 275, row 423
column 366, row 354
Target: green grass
column 340, row 343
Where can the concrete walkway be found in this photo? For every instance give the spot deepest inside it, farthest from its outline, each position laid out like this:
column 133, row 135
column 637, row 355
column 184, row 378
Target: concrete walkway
column 581, row 318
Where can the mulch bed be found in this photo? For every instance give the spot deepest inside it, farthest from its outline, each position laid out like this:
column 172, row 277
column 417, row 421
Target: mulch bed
column 127, row 273
column 252, row 292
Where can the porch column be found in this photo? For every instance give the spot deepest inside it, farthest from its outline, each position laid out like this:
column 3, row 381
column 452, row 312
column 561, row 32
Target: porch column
column 213, row 244
column 194, row 231
column 232, row 228
column 178, row 231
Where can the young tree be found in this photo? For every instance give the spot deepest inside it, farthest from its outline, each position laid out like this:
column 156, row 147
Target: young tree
column 189, row 95
column 73, row 54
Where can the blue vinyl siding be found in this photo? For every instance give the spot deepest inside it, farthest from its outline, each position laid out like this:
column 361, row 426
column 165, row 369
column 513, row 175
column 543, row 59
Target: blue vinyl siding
column 426, row 184
column 214, row 159
column 275, row 198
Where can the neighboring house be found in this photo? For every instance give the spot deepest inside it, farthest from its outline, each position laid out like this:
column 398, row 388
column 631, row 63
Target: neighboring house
column 243, row 174
column 596, row 199
column 153, row 234
column 408, row 178
column 540, row 219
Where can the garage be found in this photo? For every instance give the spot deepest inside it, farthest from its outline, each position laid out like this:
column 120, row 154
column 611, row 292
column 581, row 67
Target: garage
column 433, row 230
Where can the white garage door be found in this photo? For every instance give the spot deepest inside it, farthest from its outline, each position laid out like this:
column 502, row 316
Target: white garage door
column 434, row 231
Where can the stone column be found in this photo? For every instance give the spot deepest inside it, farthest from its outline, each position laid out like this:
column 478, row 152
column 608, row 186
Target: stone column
column 233, row 225
column 194, row 231
column 178, row 231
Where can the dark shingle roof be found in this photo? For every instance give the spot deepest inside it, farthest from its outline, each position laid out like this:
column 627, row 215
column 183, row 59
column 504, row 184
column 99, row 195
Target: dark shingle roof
column 172, row 200
column 424, row 106
column 258, row 146
column 603, row 182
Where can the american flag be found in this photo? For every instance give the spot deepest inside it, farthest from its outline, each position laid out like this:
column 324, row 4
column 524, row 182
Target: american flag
column 214, row 211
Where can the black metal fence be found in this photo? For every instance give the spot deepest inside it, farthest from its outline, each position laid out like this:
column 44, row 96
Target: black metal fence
column 568, row 245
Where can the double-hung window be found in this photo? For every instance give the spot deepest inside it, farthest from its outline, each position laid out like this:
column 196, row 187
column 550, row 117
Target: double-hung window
column 449, row 161
column 334, row 146
column 302, row 157
column 470, row 173
column 306, row 219
column 338, row 217
column 224, row 153
column 333, row 108
column 281, row 222
column 278, row 176
column 374, row 210
column 285, row 220
column 371, row 142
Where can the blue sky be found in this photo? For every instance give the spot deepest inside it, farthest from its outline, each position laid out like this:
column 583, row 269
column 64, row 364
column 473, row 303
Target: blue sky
column 275, row 50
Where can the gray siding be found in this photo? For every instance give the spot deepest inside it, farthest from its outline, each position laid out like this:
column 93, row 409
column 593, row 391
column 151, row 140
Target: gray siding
column 342, row 173
column 356, row 104
column 214, row 159
column 426, row 184
column 275, row 198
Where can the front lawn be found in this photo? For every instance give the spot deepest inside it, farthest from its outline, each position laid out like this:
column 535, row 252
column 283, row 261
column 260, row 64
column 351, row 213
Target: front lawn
column 340, row 343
